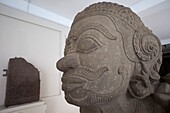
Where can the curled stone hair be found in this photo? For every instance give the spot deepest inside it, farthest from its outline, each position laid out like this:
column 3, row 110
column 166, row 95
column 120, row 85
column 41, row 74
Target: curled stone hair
column 142, row 47
column 107, row 8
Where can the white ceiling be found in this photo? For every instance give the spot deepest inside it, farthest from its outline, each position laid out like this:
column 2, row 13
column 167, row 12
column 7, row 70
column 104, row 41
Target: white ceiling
column 69, row 8
column 154, row 13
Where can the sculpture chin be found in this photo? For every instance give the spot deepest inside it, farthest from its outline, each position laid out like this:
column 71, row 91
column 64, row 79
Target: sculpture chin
column 78, row 97
column 82, row 92
column 73, row 88
column 83, row 97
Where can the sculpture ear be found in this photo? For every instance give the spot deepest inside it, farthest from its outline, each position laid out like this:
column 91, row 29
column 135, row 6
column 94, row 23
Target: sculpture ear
column 146, row 45
column 139, row 86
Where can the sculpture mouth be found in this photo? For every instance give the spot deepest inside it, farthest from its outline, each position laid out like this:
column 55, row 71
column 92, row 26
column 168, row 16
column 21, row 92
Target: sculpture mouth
column 76, row 78
column 86, row 73
column 72, row 83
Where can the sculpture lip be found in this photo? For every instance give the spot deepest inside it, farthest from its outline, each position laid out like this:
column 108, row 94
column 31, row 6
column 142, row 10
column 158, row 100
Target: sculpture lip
column 72, row 80
column 71, row 87
column 72, row 83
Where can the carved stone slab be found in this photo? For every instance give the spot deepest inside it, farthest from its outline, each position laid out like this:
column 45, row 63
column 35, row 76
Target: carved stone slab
column 23, row 82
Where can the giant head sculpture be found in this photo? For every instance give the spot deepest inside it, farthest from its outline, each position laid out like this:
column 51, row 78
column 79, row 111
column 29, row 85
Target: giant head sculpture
column 110, row 58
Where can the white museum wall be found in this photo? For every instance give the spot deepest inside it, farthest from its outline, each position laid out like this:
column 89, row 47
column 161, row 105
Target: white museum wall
column 41, row 43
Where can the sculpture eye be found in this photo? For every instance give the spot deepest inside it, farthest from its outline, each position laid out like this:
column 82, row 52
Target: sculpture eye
column 87, row 45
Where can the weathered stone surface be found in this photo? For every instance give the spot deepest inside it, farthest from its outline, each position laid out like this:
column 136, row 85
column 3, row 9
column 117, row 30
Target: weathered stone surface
column 111, row 62
column 23, row 82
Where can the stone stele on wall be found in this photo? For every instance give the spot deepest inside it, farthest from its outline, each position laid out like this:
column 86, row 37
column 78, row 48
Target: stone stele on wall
column 23, row 82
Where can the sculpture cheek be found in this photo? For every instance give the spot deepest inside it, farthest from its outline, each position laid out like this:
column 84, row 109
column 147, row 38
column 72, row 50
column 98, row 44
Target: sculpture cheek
column 108, row 83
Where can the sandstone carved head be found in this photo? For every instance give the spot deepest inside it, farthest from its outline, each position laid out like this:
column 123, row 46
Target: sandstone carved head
column 109, row 52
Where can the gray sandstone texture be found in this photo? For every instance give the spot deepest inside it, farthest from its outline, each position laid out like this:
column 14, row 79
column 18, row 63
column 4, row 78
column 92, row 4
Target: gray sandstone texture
column 111, row 63
column 23, row 82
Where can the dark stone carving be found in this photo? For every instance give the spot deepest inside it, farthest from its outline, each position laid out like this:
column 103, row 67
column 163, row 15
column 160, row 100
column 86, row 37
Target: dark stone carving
column 111, row 63
column 23, row 82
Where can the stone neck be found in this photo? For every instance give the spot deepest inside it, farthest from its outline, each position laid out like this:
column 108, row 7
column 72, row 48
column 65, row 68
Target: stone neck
column 124, row 104
column 119, row 105
column 103, row 108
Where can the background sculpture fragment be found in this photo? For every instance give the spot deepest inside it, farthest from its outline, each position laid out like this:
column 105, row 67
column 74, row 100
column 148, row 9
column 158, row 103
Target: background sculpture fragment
column 23, row 82
column 111, row 62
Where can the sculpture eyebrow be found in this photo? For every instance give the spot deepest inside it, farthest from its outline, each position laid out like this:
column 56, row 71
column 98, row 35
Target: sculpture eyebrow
column 96, row 26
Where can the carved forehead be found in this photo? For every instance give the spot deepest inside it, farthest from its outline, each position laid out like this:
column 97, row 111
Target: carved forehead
column 93, row 19
column 100, row 23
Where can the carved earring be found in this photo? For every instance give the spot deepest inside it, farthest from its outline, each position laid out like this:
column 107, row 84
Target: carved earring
column 139, row 86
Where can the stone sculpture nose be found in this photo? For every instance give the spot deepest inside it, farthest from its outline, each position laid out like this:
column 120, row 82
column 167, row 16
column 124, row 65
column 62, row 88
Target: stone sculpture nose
column 70, row 61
